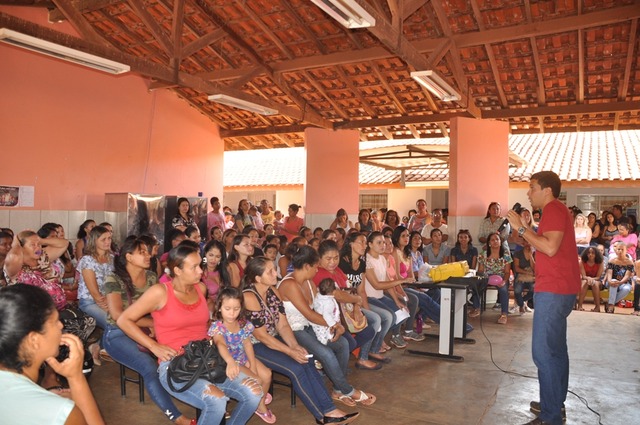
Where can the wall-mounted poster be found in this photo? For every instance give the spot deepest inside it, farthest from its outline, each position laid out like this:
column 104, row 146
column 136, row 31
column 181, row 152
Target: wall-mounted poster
column 16, row 196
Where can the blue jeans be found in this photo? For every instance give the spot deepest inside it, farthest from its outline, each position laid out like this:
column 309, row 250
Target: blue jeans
column 518, row 287
column 212, row 406
column 380, row 319
column 386, row 303
column 550, row 354
column 125, row 351
column 362, row 339
column 503, row 297
column 334, row 358
column 305, row 379
column 90, row 307
column 412, row 304
column 616, row 294
column 428, row 307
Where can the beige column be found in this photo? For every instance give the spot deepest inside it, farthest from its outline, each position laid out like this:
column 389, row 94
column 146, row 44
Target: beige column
column 332, row 176
column 478, row 173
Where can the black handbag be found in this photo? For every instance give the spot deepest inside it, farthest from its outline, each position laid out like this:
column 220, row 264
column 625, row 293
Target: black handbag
column 200, row 360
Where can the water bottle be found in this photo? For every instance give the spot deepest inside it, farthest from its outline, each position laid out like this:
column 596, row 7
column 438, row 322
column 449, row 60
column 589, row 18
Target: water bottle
column 419, row 324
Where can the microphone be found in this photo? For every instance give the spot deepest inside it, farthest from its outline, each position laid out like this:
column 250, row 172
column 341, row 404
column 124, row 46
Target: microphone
column 516, row 207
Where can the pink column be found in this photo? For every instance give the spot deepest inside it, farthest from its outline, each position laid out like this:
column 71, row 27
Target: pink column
column 478, row 171
column 332, row 175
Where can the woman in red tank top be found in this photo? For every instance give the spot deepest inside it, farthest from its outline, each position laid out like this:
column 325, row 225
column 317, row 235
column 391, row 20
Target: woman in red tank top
column 241, row 251
column 591, row 269
column 180, row 315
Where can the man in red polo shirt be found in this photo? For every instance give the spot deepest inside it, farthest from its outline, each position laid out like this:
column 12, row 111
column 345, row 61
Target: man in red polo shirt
column 557, row 283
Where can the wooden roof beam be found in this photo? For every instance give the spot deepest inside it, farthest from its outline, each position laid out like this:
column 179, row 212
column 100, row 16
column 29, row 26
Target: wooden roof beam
column 580, row 94
column 79, row 22
column 404, row 120
column 409, row 7
column 589, row 108
column 56, row 15
column 262, row 131
column 158, row 33
column 623, row 90
column 202, row 42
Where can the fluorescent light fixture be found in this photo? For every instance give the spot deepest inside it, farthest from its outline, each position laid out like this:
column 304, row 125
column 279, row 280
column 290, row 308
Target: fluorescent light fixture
column 242, row 104
column 348, row 12
column 436, row 85
column 61, row 52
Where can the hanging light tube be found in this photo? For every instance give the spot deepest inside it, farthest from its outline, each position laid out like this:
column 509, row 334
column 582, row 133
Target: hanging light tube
column 436, row 85
column 61, row 52
column 347, row 12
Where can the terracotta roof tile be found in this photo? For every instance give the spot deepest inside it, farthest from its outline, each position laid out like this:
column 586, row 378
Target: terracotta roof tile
column 585, row 156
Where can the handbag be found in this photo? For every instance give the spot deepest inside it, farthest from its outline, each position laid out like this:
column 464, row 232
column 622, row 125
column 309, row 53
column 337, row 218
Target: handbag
column 200, row 360
column 353, row 317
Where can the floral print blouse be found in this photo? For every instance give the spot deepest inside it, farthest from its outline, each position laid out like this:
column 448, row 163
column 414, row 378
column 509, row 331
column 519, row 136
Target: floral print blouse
column 233, row 340
column 269, row 312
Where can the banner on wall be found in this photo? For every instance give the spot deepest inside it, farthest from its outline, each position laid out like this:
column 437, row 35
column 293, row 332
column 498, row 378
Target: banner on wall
column 16, row 196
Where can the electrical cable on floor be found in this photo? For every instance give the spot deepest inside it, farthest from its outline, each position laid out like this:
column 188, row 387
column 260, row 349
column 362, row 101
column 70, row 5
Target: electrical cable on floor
column 509, row 372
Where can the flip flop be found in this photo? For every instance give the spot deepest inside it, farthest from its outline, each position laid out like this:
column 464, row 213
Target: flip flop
column 267, row 416
column 345, row 399
column 384, row 360
column 365, row 399
column 377, row 366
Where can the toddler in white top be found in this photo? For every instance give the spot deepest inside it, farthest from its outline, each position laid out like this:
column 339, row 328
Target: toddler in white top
column 326, row 305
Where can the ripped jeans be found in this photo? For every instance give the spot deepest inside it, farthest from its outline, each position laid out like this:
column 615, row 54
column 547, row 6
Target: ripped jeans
column 213, row 407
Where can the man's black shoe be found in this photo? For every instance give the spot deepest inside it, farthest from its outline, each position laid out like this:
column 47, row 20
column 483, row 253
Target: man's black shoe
column 534, row 407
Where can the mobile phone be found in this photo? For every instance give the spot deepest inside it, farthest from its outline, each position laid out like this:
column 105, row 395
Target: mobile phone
column 63, row 353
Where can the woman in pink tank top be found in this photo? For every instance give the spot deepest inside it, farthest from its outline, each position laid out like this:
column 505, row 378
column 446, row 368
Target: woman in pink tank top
column 180, row 315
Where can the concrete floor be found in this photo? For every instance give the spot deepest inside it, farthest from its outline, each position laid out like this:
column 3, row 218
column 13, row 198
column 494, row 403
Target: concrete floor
column 605, row 360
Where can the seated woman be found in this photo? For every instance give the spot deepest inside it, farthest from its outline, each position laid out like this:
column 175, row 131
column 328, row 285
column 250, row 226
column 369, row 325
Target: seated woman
column 30, row 335
column 242, row 218
column 183, row 218
column 352, row 264
column 125, row 286
column 436, row 253
column 214, row 271
column 180, row 315
column 496, row 260
column 524, row 266
column 298, row 293
column 591, row 269
column 291, row 224
column 628, row 238
column 364, row 223
column 93, row 269
column 346, row 293
column 391, row 219
column 83, row 233
column 31, row 260
column 68, row 278
column 377, row 282
column 276, row 346
column 241, row 251
column 610, row 229
column 465, row 251
column 583, row 232
column 342, row 221
column 596, row 229
column 618, row 279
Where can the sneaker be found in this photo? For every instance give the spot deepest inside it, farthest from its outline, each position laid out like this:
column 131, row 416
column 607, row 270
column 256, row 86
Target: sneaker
column 496, row 306
column 527, row 309
column 412, row 336
column 398, row 342
column 515, row 309
column 535, row 408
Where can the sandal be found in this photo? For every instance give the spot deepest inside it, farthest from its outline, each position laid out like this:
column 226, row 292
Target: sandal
column 384, row 348
column 345, row 399
column 502, row 320
column 365, row 399
column 636, row 313
column 267, row 416
column 596, row 310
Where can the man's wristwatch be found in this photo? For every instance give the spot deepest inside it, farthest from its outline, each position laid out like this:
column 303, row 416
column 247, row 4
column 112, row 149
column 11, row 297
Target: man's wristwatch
column 521, row 231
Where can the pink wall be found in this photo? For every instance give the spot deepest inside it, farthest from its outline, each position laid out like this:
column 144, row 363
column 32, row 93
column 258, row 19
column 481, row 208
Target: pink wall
column 479, row 166
column 75, row 133
column 332, row 173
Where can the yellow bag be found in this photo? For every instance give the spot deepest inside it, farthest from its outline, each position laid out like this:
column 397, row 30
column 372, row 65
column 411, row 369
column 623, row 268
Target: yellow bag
column 445, row 271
